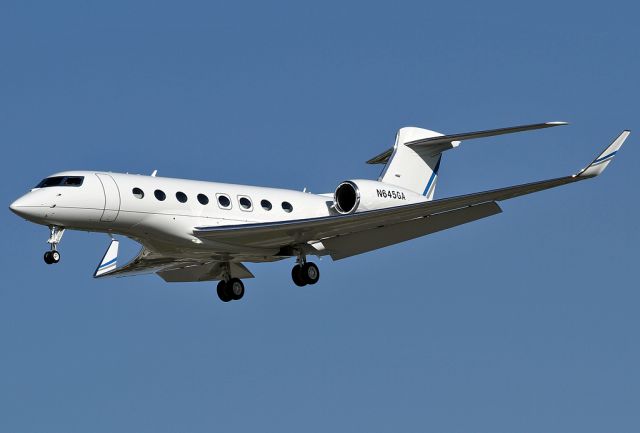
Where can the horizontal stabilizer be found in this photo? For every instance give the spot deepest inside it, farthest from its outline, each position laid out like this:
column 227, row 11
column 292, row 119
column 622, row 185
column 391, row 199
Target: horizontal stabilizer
column 483, row 134
column 445, row 142
column 108, row 262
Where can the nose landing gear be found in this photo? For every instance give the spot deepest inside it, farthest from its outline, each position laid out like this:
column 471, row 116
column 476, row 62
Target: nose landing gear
column 53, row 256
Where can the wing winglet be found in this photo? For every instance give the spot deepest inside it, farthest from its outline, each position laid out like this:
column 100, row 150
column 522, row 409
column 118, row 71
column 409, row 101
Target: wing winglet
column 108, row 262
column 601, row 161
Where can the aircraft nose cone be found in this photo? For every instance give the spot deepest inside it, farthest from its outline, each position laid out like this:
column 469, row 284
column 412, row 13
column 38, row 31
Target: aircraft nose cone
column 15, row 206
column 21, row 208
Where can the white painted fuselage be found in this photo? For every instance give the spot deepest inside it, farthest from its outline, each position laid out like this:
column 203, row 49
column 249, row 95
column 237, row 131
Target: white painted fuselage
column 161, row 213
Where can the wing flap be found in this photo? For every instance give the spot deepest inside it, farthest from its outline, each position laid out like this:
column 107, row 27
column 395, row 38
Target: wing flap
column 204, row 272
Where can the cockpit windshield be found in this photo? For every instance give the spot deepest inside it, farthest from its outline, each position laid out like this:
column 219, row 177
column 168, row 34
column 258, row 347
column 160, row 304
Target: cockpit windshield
column 61, row 181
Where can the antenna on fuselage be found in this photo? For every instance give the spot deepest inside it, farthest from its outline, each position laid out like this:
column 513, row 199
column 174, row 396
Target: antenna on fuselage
column 154, row 173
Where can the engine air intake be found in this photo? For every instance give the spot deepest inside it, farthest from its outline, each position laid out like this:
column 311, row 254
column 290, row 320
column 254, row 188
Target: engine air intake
column 346, row 197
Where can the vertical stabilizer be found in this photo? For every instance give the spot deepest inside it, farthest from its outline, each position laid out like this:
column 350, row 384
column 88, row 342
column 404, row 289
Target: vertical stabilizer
column 413, row 168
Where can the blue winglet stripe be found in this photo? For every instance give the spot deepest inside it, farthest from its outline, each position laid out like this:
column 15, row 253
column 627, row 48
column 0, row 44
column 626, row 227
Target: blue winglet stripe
column 108, row 263
column 605, row 157
column 433, row 176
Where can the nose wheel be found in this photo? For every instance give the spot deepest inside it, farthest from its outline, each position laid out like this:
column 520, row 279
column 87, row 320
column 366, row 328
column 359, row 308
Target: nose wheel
column 53, row 256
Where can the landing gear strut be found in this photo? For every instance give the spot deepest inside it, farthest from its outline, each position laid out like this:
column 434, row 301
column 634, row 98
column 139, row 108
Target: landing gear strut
column 53, row 256
column 304, row 272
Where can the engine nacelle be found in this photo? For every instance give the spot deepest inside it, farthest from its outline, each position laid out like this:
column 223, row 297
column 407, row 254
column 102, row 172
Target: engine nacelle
column 362, row 195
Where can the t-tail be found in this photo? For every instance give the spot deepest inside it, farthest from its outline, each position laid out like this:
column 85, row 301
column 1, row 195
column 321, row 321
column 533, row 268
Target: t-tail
column 414, row 161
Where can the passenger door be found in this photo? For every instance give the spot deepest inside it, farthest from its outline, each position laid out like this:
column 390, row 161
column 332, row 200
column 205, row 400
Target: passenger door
column 111, row 198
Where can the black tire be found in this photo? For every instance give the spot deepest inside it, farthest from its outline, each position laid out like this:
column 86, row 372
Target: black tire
column 310, row 273
column 222, row 291
column 47, row 258
column 296, row 275
column 55, row 256
column 235, row 288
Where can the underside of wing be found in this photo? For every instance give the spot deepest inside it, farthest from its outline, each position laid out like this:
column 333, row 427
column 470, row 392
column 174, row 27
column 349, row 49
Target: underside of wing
column 169, row 268
column 145, row 262
column 341, row 247
column 204, row 272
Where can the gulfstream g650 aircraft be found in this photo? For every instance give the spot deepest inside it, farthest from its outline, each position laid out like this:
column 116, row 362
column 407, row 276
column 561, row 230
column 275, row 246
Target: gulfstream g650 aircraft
column 201, row 231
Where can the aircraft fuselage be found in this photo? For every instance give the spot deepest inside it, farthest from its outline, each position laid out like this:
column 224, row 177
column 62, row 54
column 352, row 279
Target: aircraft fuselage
column 156, row 210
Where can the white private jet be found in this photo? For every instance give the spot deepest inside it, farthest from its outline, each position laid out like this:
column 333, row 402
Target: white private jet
column 201, row 231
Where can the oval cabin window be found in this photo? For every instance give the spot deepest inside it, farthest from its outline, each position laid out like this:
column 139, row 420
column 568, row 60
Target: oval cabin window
column 137, row 193
column 181, row 197
column 203, row 199
column 286, row 206
column 224, row 201
column 245, row 203
column 160, row 195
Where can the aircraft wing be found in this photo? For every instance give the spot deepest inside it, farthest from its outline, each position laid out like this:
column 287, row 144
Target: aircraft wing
column 296, row 232
column 171, row 269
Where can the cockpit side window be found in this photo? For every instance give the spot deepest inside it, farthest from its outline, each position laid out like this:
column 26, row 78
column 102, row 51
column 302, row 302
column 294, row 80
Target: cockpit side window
column 73, row 181
column 61, row 181
column 50, row 181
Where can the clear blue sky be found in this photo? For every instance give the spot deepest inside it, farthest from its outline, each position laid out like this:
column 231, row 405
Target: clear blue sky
column 527, row 321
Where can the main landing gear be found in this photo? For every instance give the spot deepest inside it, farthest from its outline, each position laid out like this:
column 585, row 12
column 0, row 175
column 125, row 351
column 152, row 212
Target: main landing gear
column 230, row 289
column 53, row 256
column 304, row 272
